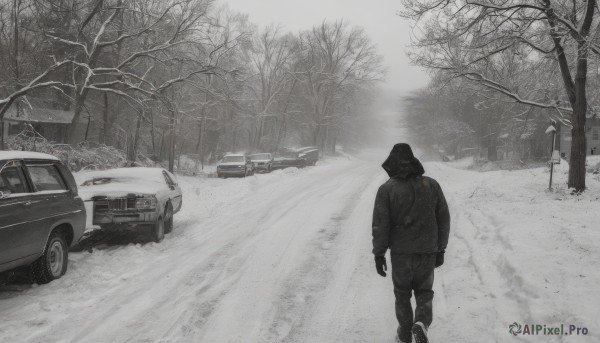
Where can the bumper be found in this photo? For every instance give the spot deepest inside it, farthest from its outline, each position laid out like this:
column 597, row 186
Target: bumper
column 125, row 217
column 262, row 167
column 233, row 172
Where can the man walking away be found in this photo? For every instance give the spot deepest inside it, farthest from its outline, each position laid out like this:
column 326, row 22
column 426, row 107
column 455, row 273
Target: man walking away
column 410, row 218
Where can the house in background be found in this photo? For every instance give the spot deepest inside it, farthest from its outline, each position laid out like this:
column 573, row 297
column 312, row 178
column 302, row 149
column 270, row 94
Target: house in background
column 592, row 134
column 49, row 122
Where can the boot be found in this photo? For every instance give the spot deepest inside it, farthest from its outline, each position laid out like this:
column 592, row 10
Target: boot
column 419, row 332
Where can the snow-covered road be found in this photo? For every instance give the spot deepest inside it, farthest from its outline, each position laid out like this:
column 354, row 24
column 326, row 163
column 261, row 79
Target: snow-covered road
column 285, row 257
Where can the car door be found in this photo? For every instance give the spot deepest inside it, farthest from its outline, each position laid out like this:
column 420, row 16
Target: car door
column 50, row 198
column 15, row 201
column 174, row 190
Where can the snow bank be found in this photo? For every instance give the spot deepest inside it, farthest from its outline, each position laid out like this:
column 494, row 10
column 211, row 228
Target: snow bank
column 517, row 254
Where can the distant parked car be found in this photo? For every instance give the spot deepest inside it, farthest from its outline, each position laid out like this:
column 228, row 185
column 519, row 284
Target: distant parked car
column 41, row 214
column 263, row 162
column 127, row 198
column 235, row 165
column 310, row 154
column 287, row 158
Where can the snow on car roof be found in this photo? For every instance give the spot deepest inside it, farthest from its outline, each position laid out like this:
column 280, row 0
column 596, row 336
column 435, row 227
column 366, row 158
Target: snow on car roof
column 17, row 155
column 242, row 155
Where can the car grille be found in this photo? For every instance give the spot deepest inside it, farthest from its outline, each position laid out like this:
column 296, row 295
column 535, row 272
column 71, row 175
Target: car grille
column 115, row 204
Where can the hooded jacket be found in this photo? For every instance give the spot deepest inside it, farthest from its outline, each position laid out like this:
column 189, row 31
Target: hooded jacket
column 411, row 215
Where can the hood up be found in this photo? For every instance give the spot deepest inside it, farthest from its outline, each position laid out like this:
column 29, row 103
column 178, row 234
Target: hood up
column 402, row 163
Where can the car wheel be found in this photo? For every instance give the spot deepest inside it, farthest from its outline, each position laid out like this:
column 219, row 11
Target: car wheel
column 158, row 230
column 54, row 262
column 168, row 218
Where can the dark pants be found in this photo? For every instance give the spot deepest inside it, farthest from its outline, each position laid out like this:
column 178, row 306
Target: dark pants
column 413, row 272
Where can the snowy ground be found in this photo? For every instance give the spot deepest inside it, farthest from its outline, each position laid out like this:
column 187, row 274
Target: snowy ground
column 285, row 257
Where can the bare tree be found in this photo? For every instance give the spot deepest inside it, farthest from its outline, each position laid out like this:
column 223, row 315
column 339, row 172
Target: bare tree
column 272, row 56
column 334, row 57
column 470, row 38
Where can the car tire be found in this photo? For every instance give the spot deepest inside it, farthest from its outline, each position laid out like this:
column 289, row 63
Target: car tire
column 54, row 262
column 168, row 215
column 158, row 230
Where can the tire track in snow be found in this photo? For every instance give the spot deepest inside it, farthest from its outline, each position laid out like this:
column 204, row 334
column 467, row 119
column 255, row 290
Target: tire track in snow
column 295, row 233
column 304, row 292
column 227, row 261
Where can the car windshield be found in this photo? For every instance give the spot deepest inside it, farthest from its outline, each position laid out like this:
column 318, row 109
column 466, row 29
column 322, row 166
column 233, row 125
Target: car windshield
column 260, row 157
column 233, row 159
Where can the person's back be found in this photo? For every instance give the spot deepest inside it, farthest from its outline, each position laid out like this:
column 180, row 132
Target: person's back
column 410, row 218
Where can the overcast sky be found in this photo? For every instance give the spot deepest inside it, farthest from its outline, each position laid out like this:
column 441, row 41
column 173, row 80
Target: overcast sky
column 390, row 32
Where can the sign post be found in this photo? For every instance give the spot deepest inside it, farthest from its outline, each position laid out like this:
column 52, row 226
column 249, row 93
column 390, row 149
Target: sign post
column 555, row 158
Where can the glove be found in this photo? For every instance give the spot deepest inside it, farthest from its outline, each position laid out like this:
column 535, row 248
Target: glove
column 439, row 258
column 381, row 265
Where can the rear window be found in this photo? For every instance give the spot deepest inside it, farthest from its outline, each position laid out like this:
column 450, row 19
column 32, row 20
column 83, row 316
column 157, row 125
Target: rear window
column 46, row 177
column 11, row 178
column 260, row 157
column 227, row 159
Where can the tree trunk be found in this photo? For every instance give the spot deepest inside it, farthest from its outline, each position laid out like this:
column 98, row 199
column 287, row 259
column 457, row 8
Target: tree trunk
column 578, row 117
column 578, row 148
column 153, row 134
column 316, row 133
column 171, row 147
column 79, row 104
column 234, row 140
column 105, row 117
column 134, row 147
column 334, row 141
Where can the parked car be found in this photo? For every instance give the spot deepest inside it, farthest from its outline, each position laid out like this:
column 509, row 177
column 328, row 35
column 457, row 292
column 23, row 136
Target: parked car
column 310, row 154
column 235, row 165
column 287, row 158
column 41, row 214
column 263, row 162
column 128, row 198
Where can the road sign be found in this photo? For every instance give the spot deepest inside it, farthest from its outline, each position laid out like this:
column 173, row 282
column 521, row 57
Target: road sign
column 555, row 157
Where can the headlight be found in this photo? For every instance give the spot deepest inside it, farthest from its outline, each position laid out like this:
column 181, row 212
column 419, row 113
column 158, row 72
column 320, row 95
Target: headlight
column 145, row 203
column 240, row 166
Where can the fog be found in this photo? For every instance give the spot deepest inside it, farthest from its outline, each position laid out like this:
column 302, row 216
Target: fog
column 390, row 32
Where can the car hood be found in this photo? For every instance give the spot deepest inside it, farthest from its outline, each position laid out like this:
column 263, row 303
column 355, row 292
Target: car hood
column 119, row 190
